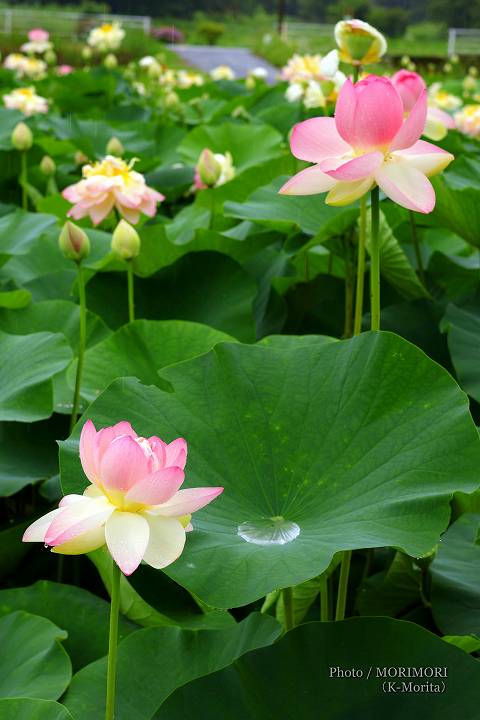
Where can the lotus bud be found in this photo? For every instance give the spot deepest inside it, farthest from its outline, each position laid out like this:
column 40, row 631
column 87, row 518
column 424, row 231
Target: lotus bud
column 472, row 70
column 50, row 57
column 171, row 100
column 86, row 53
column 22, row 137
column 47, row 166
column 110, row 61
column 74, row 242
column 208, row 168
column 115, row 147
column 80, row 158
column 359, row 43
column 125, row 241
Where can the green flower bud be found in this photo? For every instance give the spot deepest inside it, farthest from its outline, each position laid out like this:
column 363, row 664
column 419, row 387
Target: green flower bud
column 22, row 137
column 73, row 242
column 115, row 147
column 50, row 57
column 125, row 241
column 110, row 61
column 86, row 53
column 208, row 168
column 47, row 166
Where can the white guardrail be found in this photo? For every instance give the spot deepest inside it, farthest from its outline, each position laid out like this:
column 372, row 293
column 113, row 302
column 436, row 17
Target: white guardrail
column 13, row 20
column 463, row 41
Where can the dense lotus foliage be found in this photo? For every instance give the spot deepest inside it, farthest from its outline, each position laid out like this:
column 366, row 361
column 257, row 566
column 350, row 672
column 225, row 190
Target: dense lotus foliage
column 172, row 278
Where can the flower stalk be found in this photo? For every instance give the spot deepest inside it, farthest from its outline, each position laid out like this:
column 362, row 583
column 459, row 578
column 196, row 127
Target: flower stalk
column 343, row 585
column 416, row 246
column 357, row 325
column 131, row 291
column 113, row 643
column 82, row 343
column 375, row 261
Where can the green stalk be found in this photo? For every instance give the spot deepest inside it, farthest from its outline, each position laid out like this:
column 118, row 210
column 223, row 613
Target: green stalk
column 357, row 325
column 112, row 642
column 416, row 246
column 349, row 290
column 343, row 585
column 212, row 208
column 324, row 610
column 24, row 178
column 356, row 73
column 375, row 262
column 131, row 302
column 288, row 610
column 81, row 346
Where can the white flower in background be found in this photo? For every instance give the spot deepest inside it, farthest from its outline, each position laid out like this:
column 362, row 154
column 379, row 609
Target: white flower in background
column 467, row 120
column 260, row 73
column 15, row 62
column 108, row 36
column 24, row 66
column 294, row 92
column 140, row 88
column 146, row 61
column 222, row 72
column 186, row 79
column 437, row 97
column 26, row 100
column 314, row 96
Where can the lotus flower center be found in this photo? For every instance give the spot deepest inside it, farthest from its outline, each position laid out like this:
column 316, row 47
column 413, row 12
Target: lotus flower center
column 148, row 452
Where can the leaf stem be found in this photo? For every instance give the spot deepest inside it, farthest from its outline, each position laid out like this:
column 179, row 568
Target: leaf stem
column 24, row 178
column 324, row 610
column 357, row 325
column 112, row 642
column 416, row 245
column 375, row 262
column 288, row 610
column 349, row 290
column 343, row 585
column 212, row 209
column 81, row 345
column 131, row 301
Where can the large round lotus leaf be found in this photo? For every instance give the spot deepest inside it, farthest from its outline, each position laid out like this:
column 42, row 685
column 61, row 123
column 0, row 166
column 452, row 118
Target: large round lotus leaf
column 28, row 363
column 140, row 349
column 32, row 661
column 29, row 709
column 350, row 444
column 455, row 574
column 298, row 678
column 154, row 662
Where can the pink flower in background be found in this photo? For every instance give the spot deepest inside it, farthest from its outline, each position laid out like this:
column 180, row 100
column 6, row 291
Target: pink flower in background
column 133, row 503
column 38, row 35
column 111, row 183
column 368, row 142
column 410, row 86
column 64, row 69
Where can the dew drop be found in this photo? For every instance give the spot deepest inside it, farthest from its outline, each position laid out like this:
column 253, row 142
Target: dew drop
column 269, row 531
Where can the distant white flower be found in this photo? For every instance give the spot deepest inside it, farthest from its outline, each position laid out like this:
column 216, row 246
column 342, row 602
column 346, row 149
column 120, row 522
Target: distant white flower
column 222, row 72
column 26, row 100
column 108, row 36
column 260, row 73
column 294, row 92
column 146, row 61
column 314, row 96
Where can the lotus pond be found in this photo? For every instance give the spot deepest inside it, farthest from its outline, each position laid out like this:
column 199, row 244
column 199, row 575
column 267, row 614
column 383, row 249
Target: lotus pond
column 237, row 415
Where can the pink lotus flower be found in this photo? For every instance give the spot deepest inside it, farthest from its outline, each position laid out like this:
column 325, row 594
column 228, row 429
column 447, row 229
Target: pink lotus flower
column 368, row 142
column 38, row 35
column 410, row 86
column 64, row 70
column 111, row 183
column 133, row 504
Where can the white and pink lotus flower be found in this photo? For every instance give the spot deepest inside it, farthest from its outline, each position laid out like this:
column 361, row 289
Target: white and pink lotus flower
column 410, row 85
column 134, row 503
column 111, row 183
column 26, row 100
column 38, row 42
column 369, row 142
